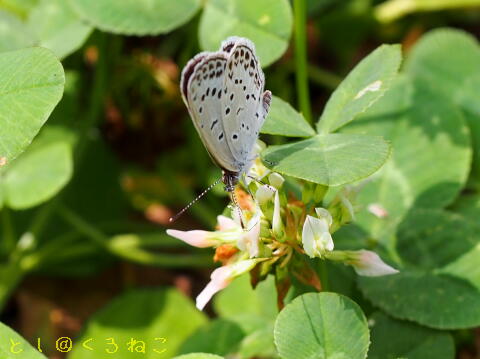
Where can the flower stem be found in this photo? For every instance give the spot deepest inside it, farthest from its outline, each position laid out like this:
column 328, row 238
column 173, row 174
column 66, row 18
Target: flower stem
column 299, row 9
column 131, row 252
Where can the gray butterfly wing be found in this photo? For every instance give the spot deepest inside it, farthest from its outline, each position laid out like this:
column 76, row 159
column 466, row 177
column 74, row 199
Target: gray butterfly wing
column 245, row 105
column 202, row 85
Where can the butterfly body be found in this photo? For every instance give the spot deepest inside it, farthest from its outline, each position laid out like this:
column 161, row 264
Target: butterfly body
column 224, row 94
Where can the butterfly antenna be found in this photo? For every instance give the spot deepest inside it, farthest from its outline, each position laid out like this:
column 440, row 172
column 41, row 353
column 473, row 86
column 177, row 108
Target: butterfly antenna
column 175, row 217
column 235, row 202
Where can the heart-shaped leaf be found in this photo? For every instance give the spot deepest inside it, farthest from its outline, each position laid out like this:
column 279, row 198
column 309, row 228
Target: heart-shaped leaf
column 423, row 129
column 13, row 345
column 57, row 27
column 133, row 17
column 161, row 319
column 322, row 325
column 37, row 175
column 268, row 23
column 31, row 85
column 283, row 120
column 331, row 160
column 364, row 85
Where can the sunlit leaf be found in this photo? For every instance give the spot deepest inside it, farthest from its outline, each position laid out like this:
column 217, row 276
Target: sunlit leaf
column 37, row 175
column 446, row 61
column 424, row 130
column 254, row 310
column 322, row 325
column 22, row 349
column 363, row 86
column 31, row 84
column 133, row 17
column 268, row 23
column 145, row 315
column 331, row 160
column 198, row 356
column 14, row 33
column 56, row 27
column 283, row 120
column 220, row 337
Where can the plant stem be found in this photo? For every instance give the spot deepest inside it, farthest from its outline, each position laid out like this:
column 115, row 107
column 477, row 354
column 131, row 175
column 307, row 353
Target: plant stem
column 132, row 253
column 9, row 236
column 299, row 9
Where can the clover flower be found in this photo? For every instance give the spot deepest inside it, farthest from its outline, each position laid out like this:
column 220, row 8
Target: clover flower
column 279, row 231
column 316, row 237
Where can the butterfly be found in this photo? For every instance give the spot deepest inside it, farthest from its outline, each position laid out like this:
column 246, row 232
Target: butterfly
column 224, row 94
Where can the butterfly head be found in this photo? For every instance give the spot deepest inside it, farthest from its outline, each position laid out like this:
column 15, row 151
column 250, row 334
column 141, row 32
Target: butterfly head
column 230, row 179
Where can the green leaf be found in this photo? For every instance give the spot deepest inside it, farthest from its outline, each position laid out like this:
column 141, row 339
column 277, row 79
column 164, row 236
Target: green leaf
column 268, row 23
column 363, row 86
column 57, row 27
column 322, row 325
column 283, row 120
column 31, row 85
column 142, row 315
column 432, row 238
column 259, row 343
column 13, row 33
column 249, row 307
column 331, row 160
column 18, row 7
column 437, row 301
column 465, row 267
column 199, row 356
column 254, row 310
column 133, row 17
column 37, row 175
column 423, row 129
column 446, row 61
column 220, row 337
column 393, row 339
column 9, row 336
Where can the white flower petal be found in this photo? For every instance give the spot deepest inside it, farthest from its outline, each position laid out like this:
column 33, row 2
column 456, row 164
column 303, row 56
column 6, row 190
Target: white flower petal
column 252, row 235
column 368, row 263
column 327, row 241
column 196, row 238
column 221, row 278
column 325, row 214
column 225, row 223
column 316, row 238
column 264, row 194
column 308, row 239
column 276, row 180
column 277, row 224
